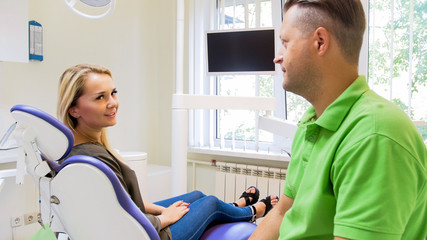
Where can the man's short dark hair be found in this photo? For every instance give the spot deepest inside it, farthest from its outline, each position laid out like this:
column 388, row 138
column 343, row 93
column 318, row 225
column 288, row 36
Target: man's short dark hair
column 344, row 19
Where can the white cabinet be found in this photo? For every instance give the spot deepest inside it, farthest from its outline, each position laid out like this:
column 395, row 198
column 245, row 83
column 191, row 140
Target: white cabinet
column 14, row 30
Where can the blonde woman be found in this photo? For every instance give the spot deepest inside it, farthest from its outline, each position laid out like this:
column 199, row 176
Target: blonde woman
column 88, row 104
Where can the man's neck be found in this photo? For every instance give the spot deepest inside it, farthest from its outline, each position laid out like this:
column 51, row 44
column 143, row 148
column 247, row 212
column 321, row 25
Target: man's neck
column 333, row 85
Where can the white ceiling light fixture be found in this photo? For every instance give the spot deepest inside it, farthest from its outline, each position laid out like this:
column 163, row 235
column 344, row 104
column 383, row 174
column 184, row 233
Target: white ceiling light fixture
column 93, row 9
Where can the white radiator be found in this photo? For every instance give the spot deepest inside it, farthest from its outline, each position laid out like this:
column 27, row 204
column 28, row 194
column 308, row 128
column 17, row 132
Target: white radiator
column 232, row 179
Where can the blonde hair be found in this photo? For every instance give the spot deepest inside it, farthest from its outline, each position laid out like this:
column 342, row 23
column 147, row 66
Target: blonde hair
column 71, row 86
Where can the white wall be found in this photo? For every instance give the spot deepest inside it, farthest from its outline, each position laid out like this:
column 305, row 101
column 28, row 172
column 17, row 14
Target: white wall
column 136, row 42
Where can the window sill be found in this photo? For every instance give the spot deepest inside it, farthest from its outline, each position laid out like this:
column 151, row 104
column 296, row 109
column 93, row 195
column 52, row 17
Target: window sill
column 239, row 153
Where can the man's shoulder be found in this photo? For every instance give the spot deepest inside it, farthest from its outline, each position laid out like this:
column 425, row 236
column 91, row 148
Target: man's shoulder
column 378, row 113
column 374, row 115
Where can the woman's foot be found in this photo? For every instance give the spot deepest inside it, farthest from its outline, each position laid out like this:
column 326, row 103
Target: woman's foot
column 248, row 197
column 261, row 208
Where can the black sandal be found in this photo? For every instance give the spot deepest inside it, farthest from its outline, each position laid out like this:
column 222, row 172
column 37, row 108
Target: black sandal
column 247, row 196
column 267, row 202
column 253, row 219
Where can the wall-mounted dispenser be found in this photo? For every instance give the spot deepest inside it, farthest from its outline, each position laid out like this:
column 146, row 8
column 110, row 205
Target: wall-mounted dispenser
column 35, row 33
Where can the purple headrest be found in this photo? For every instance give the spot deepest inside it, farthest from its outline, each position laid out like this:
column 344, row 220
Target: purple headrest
column 53, row 138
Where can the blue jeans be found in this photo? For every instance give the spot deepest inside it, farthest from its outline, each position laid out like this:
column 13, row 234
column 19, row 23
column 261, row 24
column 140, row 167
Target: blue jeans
column 204, row 210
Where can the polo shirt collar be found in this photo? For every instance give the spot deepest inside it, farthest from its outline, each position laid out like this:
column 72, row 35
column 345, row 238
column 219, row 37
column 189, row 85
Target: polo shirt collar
column 335, row 113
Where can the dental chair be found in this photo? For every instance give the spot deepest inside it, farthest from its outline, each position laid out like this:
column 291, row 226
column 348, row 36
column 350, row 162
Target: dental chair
column 82, row 197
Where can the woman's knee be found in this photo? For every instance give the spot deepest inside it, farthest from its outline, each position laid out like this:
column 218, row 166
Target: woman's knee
column 211, row 200
column 197, row 194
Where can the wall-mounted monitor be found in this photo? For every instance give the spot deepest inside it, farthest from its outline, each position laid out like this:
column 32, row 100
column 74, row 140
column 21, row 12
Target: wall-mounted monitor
column 241, row 51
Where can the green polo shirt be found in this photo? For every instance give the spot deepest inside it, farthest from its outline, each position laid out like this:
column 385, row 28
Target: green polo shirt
column 358, row 172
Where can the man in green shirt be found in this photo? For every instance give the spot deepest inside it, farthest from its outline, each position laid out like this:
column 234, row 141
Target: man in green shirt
column 358, row 168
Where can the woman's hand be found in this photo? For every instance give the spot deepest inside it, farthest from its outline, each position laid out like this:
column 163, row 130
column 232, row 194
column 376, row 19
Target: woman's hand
column 152, row 208
column 173, row 213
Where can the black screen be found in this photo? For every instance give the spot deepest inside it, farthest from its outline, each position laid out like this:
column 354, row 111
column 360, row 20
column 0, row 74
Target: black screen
column 241, row 51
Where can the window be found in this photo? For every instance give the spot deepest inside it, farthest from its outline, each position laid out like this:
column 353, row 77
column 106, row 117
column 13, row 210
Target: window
column 237, row 129
column 398, row 54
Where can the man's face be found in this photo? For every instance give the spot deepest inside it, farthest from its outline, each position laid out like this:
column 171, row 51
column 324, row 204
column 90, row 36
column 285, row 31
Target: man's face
column 296, row 55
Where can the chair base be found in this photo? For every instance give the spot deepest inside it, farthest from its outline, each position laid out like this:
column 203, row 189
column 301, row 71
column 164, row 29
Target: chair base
column 235, row 231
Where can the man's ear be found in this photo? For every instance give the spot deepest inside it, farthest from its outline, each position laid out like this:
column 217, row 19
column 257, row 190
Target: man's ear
column 322, row 40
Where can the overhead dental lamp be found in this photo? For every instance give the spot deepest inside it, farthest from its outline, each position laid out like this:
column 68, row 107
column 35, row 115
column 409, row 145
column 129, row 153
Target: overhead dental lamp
column 93, row 9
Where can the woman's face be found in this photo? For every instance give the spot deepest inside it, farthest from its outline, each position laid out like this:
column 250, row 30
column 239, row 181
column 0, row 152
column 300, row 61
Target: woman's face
column 97, row 107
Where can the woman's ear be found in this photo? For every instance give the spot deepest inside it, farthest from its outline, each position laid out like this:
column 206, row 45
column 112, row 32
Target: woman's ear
column 322, row 40
column 73, row 112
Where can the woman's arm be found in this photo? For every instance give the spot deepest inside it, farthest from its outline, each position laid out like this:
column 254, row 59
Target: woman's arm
column 153, row 209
